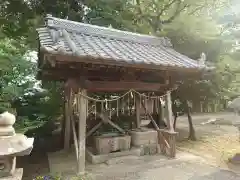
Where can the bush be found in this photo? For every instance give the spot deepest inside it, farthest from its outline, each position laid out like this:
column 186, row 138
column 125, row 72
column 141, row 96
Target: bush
column 60, row 177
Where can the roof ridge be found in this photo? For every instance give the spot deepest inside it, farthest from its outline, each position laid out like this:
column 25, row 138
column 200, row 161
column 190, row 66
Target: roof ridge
column 90, row 29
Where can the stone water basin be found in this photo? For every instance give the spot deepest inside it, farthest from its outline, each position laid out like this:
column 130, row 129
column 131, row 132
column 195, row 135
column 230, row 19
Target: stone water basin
column 111, row 142
column 143, row 136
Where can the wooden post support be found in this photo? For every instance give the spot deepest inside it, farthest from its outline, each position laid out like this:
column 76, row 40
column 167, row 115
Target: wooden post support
column 67, row 133
column 82, row 109
column 137, row 106
column 170, row 137
column 74, row 137
column 201, row 107
column 169, row 115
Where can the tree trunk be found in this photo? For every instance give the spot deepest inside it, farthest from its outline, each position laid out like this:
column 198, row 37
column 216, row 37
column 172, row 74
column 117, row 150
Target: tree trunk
column 175, row 122
column 62, row 131
column 175, row 114
column 192, row 134
column 63, row 121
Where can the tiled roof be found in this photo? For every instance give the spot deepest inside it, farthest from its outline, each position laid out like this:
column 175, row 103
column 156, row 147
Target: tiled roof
column 85, row 40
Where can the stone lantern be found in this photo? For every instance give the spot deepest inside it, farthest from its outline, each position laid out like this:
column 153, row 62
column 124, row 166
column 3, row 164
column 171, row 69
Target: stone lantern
column 11, row 145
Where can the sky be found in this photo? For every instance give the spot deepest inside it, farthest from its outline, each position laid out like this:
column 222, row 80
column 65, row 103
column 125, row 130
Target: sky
column 230, row 12
column 236, row 6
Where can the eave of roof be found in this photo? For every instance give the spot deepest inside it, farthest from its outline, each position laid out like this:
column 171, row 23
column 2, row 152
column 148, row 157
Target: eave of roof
column 64, row 37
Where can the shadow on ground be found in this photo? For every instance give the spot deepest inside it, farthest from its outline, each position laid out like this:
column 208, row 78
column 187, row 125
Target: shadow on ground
column 218, row 175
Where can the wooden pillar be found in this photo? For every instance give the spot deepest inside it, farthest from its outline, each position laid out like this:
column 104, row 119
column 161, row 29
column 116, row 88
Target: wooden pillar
column 160, row 112
column 67, row 114
column 155, row 106
column 215, row 106
column 82, row 109
column 137, row 106
column 169, row 133
column 169, row 114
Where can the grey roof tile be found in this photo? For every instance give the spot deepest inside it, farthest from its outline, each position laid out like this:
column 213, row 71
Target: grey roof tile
column 107, row 43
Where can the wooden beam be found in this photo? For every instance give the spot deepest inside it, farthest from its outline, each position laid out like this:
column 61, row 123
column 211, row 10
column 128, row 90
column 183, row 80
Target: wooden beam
column 104, row 74
column 107, row 120
column 114, row 86
column 75, row 137
column 94, row 129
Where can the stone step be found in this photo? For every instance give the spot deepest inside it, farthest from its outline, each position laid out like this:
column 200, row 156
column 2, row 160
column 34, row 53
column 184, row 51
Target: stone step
column 102, row 158
column 123, row 159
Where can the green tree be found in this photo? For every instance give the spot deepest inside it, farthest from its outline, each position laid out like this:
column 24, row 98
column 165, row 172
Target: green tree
column 17, row 71
column 189, row 24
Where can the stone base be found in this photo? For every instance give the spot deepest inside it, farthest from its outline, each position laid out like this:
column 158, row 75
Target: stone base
column 101, row 158
column 16, row 176
column 108, row 144
column 9, row 165
column 149, row 149
column 171, row 139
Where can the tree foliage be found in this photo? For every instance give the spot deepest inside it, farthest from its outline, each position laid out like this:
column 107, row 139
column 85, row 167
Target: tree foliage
column 16, row 69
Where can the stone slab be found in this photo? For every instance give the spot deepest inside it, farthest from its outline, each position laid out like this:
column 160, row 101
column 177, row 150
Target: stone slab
column 122, row 160
column 101, row 158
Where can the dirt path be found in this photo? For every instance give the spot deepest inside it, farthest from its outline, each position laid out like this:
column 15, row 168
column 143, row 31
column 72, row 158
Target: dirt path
column 217, row 141
column 34, row 165
column 184, row 167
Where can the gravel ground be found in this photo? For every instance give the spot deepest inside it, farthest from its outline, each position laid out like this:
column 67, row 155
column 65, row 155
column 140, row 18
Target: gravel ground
column 185, row 167
column 218, row 141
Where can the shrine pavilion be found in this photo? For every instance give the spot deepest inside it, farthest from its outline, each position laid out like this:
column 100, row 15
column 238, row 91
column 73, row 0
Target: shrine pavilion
column 91, row 59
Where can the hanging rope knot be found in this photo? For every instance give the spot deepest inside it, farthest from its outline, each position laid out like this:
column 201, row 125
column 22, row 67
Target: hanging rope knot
column 106, row 104
column 131, row 94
